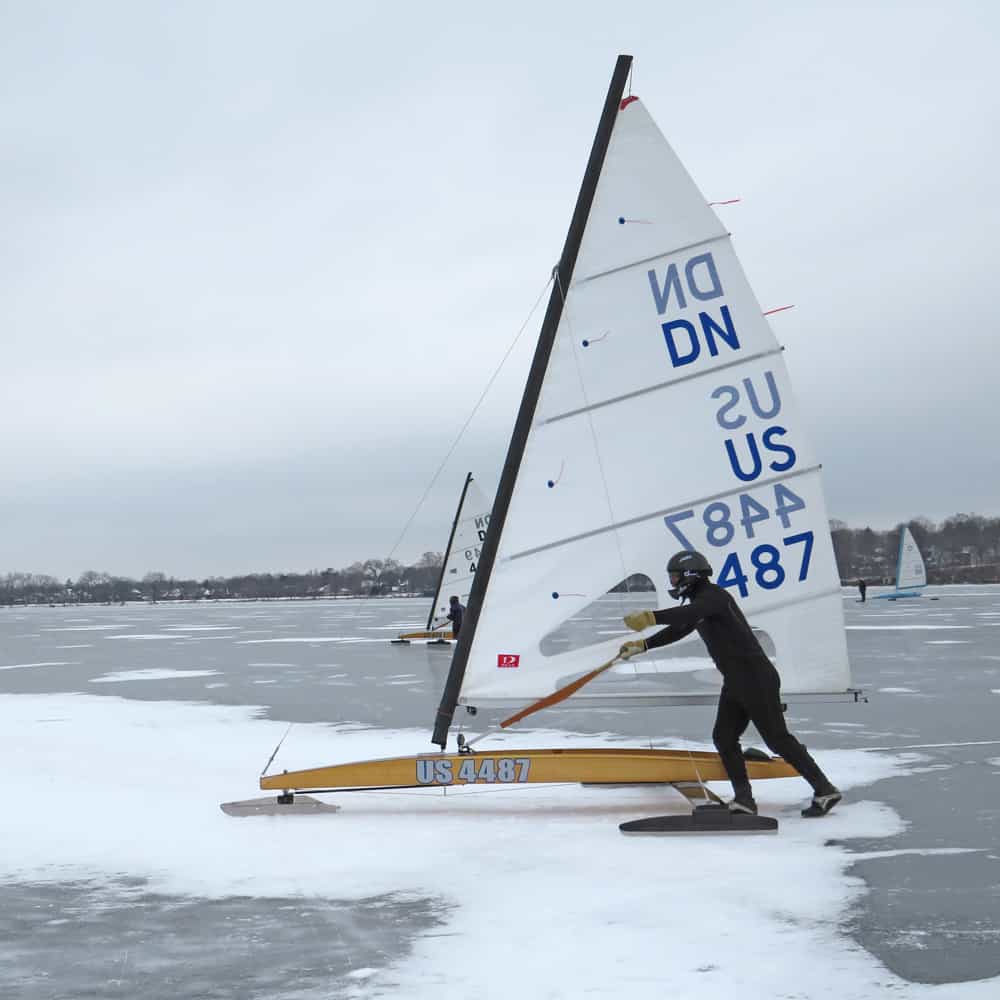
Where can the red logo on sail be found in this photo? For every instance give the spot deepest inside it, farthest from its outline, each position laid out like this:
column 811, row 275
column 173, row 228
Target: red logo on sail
column 508, row 659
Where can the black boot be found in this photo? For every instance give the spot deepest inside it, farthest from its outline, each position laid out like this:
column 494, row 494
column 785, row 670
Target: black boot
column 822, row 803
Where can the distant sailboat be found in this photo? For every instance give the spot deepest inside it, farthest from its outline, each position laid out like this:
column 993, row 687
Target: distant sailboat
column 657, row 415
column 461, row 556
column 911, row 574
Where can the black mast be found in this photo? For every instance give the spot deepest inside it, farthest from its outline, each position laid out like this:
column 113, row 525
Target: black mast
column 447, row 551
column 546, row 338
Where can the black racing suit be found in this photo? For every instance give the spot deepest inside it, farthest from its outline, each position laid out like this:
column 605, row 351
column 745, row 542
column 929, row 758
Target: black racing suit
column 750, row 683
column 455, row 617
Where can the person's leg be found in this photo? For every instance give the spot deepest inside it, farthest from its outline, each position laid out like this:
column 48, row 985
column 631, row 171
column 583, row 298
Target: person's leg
column 731, row 721
column 766, row 715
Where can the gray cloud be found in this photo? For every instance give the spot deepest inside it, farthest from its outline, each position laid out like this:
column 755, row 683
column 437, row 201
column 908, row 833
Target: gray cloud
column 259, row 263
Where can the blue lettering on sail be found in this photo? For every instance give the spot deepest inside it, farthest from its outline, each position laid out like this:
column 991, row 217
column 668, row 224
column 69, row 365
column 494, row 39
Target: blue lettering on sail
column 715, row 288
column 775, row 408
column 733, row 394
column 756, row 463
column 734, row 398
column 720, row 522
column 789, row 460
column 684, row 354
column 734, row 462
column 710, row 327
column 662, row 295
column 677, row 358
column 702, row 279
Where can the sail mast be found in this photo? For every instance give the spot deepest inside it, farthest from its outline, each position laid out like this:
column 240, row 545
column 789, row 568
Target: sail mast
column 447, row 550
column 563, row 275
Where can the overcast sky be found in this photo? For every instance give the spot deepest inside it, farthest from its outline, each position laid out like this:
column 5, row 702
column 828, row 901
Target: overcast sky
column 260, row 260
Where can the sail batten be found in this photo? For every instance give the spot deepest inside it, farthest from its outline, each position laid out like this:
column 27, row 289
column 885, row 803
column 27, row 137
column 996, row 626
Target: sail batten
column 646, row 261
column 770, row 352
column 653, row 259
column 618, row 525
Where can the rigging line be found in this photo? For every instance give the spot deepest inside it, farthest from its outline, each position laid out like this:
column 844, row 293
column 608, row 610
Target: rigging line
column 277, row 748
column 481, row 736
column 454, row 445
column 468, row 421
column 690, row 752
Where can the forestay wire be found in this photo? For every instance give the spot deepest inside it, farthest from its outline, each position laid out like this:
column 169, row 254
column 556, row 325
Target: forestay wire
column 465, row 426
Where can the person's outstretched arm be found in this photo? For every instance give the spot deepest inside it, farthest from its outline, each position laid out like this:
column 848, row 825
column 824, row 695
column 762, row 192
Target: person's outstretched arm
column 680, row 621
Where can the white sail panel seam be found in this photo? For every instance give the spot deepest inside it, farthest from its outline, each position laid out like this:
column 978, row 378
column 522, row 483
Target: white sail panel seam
column 604, row 699
column 649, row 260
column 661, row 385
column 659, row 513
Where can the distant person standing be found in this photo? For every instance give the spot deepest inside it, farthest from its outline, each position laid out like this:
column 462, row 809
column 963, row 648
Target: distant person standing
column 862, row 589
column 455, row 612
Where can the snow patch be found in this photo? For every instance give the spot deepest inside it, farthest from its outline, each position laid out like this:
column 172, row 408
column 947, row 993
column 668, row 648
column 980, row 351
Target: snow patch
column 152, row 674
column 47, row 663
column 901, row 628
column 584, row 910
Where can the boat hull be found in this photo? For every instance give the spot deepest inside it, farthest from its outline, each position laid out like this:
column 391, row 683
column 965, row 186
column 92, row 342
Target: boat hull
column 440, row 634
column 515, row 767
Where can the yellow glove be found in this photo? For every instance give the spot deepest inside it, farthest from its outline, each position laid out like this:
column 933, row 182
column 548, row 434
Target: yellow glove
column 631, row 648
column 639, row 620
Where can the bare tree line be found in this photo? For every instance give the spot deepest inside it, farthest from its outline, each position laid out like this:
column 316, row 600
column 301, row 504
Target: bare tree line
column 964, row 548
column 373, row 577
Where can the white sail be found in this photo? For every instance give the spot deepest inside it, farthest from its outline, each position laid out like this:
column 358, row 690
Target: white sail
column 910, row 570
column 463, row 553
column 665, row 420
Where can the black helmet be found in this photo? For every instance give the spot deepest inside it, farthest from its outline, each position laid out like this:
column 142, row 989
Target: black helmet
column 686, row 569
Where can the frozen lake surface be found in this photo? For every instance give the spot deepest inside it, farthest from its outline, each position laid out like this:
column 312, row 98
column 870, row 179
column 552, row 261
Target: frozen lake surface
column 124, row 727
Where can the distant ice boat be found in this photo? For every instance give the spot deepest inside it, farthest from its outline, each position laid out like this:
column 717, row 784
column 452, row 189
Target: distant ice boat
column 461, row 557
column 911, row 574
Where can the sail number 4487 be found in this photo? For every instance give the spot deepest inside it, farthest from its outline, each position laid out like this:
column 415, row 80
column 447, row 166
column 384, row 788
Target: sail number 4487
column 473, row 770
column 720, row 522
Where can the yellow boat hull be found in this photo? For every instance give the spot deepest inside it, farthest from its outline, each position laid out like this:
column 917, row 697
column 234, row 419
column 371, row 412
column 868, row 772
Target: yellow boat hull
column 515, row 767
column 439, row 634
